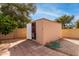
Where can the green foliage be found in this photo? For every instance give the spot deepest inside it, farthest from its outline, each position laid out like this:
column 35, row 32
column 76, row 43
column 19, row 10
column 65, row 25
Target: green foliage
column 15, row 15
column 7, row 24
column 77, row 24
column 19, row 12
column 65, row 21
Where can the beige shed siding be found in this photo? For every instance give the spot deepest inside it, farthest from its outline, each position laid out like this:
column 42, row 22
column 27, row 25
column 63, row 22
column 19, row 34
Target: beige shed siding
column 52, row 31
column 39, row 31
column 47, row 31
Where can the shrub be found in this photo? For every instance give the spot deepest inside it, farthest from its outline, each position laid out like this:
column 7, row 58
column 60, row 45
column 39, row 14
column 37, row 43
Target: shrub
column 7, row 24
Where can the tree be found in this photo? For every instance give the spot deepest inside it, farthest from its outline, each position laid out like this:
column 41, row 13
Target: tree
column 20, row 12
column 7, row 24
column 77, row 24
column 14, row 15
column 65, row 21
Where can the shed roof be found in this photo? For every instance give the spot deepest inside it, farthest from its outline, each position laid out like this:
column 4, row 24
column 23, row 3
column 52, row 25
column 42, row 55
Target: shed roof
column 45, row 20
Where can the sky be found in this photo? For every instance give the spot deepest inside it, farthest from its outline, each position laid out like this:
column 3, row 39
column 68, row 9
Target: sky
column 52, row 11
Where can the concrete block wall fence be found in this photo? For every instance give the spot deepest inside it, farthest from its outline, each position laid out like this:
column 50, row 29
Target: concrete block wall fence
column 70, row 33
column 17, row 34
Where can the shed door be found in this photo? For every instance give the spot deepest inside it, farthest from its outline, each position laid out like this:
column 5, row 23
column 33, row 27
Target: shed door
column 34, row 30
column 29, row 31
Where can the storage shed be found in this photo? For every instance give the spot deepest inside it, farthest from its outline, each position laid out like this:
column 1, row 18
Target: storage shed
column 44, row 31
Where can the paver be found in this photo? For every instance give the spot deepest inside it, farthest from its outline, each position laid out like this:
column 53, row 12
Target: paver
column 31, row 48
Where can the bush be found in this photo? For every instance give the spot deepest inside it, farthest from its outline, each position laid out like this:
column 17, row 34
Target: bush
column 7, row 24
